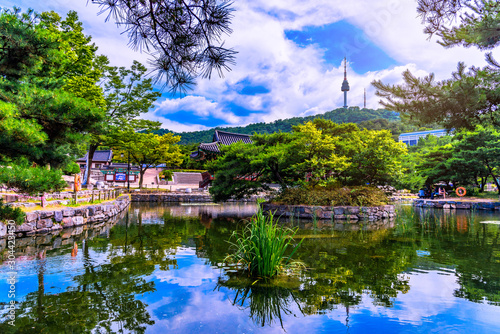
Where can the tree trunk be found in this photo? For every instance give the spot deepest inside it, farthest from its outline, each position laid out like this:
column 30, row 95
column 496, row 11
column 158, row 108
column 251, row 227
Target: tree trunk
column 92, row 149
column 141, row 177
column 483, row 181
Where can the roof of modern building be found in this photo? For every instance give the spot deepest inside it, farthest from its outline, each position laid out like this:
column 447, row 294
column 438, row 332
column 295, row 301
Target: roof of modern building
column 99, row 156
column 423, row 132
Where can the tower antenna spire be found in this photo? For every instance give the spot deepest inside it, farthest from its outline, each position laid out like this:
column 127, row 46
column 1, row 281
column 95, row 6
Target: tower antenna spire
column 345, row 68
column 364, row 105
column 345, row 84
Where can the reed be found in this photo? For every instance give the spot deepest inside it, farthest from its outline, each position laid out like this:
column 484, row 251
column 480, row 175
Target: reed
column 262, row 245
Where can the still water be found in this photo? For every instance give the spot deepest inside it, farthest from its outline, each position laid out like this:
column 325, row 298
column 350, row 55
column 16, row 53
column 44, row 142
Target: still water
column 159, row 269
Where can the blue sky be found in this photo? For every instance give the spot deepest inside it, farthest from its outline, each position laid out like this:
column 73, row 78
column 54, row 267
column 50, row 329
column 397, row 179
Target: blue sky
column 289, row 60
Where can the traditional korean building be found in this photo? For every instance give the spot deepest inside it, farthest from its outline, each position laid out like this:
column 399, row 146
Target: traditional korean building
column 212, row 150
column 101, row 159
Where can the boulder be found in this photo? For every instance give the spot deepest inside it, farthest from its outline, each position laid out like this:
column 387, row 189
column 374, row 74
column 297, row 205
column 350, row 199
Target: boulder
column 78, row 220
column 46, row 214
column 3, row 230
column 44, row 223
column 68, row 212
column 67, row 222
column 31, row 216
column 26, row 227
column 58, row 216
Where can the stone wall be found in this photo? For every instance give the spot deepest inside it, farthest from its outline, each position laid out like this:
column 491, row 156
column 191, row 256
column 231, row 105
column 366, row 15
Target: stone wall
column 31, row 246
column 45, row 221
column 350, row 213
column 446, row 204
column 180, row 197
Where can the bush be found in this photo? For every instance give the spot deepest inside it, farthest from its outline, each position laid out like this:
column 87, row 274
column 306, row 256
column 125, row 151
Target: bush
column 71, row 168
column 355, row 196
column 9, row 213
column 262, row 245
column 167, row 174
column 31, row 180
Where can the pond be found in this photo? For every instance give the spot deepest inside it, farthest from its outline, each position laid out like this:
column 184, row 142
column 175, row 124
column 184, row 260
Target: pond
column 159, row 269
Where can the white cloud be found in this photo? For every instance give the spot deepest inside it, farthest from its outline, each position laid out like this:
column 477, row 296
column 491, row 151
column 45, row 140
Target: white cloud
column 298, row 80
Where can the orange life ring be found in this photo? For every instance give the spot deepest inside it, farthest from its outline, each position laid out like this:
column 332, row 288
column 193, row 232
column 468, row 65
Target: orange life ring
column 461, row 191
column 78, row 182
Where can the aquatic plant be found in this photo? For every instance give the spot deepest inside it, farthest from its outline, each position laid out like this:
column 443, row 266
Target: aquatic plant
column 262, row 245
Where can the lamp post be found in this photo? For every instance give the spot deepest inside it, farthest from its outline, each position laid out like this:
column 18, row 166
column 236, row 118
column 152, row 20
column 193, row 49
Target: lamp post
column 128, row 170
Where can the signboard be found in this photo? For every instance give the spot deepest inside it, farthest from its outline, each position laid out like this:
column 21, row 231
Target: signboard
column 120, row 177
column 109, row 177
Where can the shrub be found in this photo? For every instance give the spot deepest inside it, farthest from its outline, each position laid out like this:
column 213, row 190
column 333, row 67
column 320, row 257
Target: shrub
column 262, row 245
column 9, row 213
column 355, row 196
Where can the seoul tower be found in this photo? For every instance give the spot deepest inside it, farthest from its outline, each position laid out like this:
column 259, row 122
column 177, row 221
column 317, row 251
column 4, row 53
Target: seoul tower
column 345, row 84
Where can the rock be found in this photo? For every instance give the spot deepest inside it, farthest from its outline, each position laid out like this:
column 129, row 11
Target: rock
column 26, row 227
column 67, row 222
column 353, row 209
column 31, row 216
column 78, row 220
column 44, row 224
column 338, row 210
column 68, row 212
column 58, row 216
column 3, row 230
column 46, row 214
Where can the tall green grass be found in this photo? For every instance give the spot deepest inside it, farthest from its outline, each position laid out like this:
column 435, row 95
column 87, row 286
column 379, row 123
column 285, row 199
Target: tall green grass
column 261, row 246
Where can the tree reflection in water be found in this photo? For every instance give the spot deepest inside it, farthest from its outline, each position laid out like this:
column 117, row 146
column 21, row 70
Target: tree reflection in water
column 343, row 268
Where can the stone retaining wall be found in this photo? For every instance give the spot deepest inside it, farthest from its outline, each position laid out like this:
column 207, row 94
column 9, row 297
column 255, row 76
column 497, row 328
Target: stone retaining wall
column 31, row 246
column 351, row 213
column 446, row 204
column 45, row 221
column 181, row 197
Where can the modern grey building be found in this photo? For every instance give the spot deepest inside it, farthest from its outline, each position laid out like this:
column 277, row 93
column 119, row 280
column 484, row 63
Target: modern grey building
column 411, row 138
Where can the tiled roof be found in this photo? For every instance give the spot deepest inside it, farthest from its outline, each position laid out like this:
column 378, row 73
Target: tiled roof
column 210, row 147
column 228, row 138
column 102, row 156
column 221, row 138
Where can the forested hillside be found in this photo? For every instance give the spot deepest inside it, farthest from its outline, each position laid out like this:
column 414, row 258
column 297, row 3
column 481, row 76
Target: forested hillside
column 366, row 118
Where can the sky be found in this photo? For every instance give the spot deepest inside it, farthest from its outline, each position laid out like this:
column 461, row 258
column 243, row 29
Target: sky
column 289, row 60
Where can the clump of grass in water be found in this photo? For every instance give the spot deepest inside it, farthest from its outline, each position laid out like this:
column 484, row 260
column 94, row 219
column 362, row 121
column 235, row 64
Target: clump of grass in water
column 262, row 246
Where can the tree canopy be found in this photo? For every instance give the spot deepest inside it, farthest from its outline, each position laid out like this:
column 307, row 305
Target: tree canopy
column 315, row 153
column 48, row 72
column 471, row 96
column 145, row 149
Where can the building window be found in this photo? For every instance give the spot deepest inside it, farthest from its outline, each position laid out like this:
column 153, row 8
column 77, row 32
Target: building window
column 97, row 165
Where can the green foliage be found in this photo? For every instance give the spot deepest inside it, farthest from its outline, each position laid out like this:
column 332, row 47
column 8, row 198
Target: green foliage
column 184, row 38
column 323, row 196
column 469, row 158
column 477, row 22
column 145, row 149
column 31, row 180
column 262, row 246
column 167, row 174
column 313, row 153
column 71, row 168
column 340, row 115
column 471, row 96
column 49, row 97
column 9, row 213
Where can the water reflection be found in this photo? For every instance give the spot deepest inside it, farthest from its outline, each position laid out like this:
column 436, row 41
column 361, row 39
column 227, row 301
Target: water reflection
column 159, row 269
